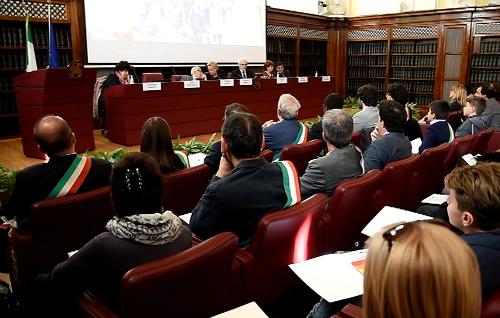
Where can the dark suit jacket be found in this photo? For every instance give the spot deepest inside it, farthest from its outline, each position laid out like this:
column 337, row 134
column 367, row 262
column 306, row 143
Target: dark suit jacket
column 437, row 133
column 213, row 158
column 236, row 202
column 281, row 134
column 390, row 147
column 35, row 183
column 286, row 73
column 221, row 75
column 237, row 73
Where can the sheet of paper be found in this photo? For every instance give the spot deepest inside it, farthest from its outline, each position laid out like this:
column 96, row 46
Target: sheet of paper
column 302, row 79
column 196, row 159
column 151, row 86
column 185, row 217
column 226, row 82
column 415, row 144
column 72, row 253
column 325, row 78
column 250, row 310
column 436, row 198
column 246, row 82
column 389, row 215
column 281, row 80
column 334, row 276
column 469, row 158
column 192, row 84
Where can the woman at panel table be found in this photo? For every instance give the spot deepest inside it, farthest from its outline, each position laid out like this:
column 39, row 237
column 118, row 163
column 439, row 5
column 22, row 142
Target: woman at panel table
column 268, row 69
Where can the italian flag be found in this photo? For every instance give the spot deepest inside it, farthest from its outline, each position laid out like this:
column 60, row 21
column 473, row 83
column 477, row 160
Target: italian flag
column 30, row 49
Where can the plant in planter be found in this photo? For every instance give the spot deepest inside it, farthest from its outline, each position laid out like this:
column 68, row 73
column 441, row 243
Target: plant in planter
column 7, row 182
column 310, row 123
column 192, row 146
column 112, row 157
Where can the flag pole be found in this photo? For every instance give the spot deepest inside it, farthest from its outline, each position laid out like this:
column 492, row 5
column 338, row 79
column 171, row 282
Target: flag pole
column 50, row 38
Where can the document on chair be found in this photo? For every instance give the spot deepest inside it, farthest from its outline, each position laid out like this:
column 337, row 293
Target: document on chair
column 334, row 276
column 389, row 215
column 185, row 217
column 436, row 199
column 196, row 159
column 415, row 144
column 250, row 310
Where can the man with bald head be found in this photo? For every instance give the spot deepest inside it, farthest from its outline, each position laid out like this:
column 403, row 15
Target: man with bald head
column 65, row 173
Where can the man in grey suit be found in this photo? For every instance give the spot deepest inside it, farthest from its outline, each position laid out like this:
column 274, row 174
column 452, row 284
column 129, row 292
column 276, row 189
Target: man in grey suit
column 343, row 161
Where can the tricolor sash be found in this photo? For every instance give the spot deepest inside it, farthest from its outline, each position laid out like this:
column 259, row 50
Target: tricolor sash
column 452, row 133
column 183, row 156
column 291, row 183
column 73, row 178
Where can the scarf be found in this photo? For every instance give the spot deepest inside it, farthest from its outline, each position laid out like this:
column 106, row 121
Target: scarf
column 150, row 229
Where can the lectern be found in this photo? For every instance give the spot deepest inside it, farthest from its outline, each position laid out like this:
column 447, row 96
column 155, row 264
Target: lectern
column 53, row 91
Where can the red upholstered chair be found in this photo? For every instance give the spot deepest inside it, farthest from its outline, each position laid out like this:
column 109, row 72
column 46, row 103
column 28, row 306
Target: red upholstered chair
column 481, row 140
column 199, row 282
column 430, row 170
column 281, row 238
column 494, row 143
column 348, row 212
column 59, row 226
column 183, row 189
column 267, row 154
column 423, row 128
column 491, row 307
column 458, row 148
column 176, row 78
column 152, row 77
column 301, row 154
column 454, row 119
column 351, row 311
column 356, row 138
column 398, row 188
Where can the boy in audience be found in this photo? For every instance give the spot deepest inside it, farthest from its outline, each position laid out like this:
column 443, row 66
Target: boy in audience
column 367, row 118
column 473, row 110
column 473, row 208
column 439, row 130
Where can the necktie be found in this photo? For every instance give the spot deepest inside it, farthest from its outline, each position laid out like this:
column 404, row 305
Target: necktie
column 243, row 74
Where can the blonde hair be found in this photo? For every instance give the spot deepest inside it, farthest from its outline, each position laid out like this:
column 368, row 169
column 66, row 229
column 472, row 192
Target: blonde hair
column 429, row 272
column 459, row 94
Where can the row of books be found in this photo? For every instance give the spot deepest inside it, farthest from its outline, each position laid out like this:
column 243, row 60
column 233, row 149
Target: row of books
column 490, row 46
column 6, row 84
column 280, row 46
column 480, row 76
column 8, row 105
column 410, row 60
column 354, row 84
column 367, row 72
column 288, row 60
column 419, row 87
column 414, row 47
column 313, row 47
column 15, row 36
column 18, row 60
column 422, row 100
column 486, row 60
column 367, row 60
column 367, row 47
column 309, row 60
column 413, row 73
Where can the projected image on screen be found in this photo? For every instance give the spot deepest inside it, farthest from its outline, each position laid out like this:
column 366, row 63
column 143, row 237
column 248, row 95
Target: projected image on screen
column 175, row 31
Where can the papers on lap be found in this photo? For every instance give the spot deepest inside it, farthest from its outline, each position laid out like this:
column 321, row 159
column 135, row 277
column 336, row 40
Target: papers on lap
column 389, row 215
column 335, row 276
column 436, row 199
column 415, row 144
column 185, row 217
column 196, row 159
column 250, row 310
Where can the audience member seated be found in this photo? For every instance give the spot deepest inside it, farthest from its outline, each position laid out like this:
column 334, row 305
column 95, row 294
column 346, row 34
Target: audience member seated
column 65, row 173
column 473, row 208
column 388, row 141
column 268, row 70
column 332, row 101
column 481, row 89
column 458, row 96
column 417, row 269
column 440, row 130
column 157, row 142
column 343, row 161
column 197, row 74
column 281, row 71
column 214, row 72
column 141, row 232
column 367, row 118
column 287, row 130
column 398, row 92
column 245, row 187
column 213, row 158
column 474, row 122
column 242, row 71
column 492, row 92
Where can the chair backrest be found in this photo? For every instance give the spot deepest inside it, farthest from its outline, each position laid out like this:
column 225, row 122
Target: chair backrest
column 281, row 238
column 481, row 140
column 454, row 119
column 459, row 147
column 356, row 138
column 351, row 311
column 430, row 170
column 152, row 77
column 207, row 273
column 301, row 154
column 59, row 226
column 348, row 212
column 423, row 128
column 183, row 189
column 491, row 307
column 267, row 154
column 176, row 78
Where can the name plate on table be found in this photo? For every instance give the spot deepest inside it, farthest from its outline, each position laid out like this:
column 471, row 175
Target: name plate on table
column 192, row 84
column 281, row 80
column 151, row 86
column 246, row 82
column 226, row 82
column 325, row 78
column 303, row 79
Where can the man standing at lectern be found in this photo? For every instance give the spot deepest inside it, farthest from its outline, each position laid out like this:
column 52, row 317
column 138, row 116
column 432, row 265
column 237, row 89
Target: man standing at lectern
column 65, row 173
column 241, row 71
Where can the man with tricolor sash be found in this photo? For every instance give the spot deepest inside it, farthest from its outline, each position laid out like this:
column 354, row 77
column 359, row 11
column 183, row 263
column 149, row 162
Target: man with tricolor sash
column 245, row 187
column 287, row 130
column 64, row 174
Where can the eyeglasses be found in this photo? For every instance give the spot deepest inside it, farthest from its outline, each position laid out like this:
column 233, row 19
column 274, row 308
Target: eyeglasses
column 391, row 234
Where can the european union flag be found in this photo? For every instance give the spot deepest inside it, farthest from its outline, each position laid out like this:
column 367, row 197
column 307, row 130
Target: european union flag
column 53, row 61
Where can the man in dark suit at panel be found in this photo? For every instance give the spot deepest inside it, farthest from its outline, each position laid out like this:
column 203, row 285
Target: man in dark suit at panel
column 65, row 173
column 242, row 71
column 281, row 71
column 388, row 141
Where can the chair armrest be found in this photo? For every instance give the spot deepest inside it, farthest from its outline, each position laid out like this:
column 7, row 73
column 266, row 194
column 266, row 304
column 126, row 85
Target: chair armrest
column 91, row 307
column 351, row 311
